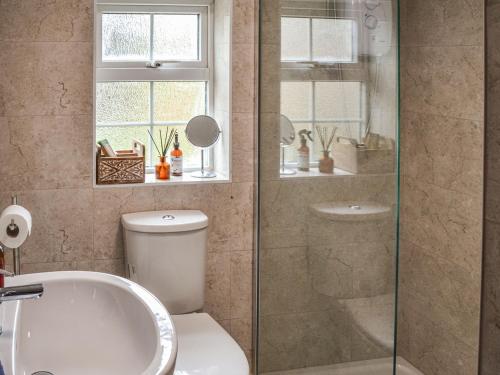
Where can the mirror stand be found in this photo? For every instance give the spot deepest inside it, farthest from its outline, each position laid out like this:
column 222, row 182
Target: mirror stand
column 283, row 170
column 202, row 173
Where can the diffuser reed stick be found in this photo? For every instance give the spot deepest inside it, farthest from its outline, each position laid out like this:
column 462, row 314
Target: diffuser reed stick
column 164, row 143
column 325, row 136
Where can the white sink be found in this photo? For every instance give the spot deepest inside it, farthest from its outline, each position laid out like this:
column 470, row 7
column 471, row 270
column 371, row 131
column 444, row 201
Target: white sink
column 86, row 323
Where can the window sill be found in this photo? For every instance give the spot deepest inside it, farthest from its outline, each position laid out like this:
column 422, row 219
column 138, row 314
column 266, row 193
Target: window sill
column 185, row 179
column 315, row 173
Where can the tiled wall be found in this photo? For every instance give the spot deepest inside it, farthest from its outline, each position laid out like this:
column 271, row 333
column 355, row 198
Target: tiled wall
column 46, row 157
column 490, row 307
column 442, row 166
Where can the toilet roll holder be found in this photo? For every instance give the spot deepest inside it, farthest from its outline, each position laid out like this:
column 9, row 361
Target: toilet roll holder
column 13, row 230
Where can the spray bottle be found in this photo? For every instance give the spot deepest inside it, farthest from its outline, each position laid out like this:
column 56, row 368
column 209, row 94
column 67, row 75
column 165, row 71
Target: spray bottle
column 303, row 150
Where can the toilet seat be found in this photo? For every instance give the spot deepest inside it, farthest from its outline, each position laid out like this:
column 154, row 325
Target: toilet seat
column 205, row 348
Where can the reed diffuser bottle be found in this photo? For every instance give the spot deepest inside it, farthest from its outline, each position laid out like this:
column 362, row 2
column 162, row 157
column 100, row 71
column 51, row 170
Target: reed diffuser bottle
column 162, row 168
column 326, row 137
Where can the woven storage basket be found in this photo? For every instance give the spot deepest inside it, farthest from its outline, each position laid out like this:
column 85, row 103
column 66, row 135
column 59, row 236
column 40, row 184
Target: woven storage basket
column 121, row 169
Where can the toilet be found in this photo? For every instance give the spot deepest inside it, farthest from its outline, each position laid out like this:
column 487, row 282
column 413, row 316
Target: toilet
column 166, row 253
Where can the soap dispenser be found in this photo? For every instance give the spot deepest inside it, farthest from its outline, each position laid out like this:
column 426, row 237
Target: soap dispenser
column 303, row 150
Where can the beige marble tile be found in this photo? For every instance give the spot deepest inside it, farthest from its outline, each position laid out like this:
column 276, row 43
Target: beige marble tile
column 445, row 81
column 362, row 269
column 286, row 283
column 443, row 151
column 55, row 80
column 436, row 351
column 442, row 23
column 46, row 20
column 270, row 22
column 243, row 76
column 241, row 330
column 304, row 340
column 58, row 235
column 109, row 205
column 218, row 286
column 244, row 21
column 184, row 197
column 112, row 266
column 323, row 232
column 231, row 217
column 46, row 152
column 270, row 79
column 56, row 266
column 332, row 271
column 241, row 284
column 444, row 223
column 243, row 147
column 363, row 348
column 442, row 291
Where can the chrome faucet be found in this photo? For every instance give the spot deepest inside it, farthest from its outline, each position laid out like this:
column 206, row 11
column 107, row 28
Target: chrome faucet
column 20, row 292
column 17, row 293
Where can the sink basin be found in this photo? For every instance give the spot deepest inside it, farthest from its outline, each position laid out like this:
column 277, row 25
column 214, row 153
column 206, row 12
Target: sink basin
column 351, row 211
column 86, row 323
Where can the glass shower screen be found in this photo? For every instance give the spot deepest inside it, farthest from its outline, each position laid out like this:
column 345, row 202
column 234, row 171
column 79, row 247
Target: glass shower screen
column 327, row 254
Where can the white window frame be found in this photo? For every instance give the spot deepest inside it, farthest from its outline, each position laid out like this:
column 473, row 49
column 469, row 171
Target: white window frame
column 361, row 121
column 311, row 61
column 135, row 71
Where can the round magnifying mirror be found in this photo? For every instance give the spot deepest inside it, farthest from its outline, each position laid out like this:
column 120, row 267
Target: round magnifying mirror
column 287, row 136
column 287, row 131
column 203, row 131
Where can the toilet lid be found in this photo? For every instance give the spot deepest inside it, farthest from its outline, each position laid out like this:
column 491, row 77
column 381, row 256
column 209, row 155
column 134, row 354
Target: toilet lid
column 165, row 221
column 205, row 348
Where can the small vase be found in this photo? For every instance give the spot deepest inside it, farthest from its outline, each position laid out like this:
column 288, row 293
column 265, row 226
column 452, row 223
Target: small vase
column 162, row 169
column 326, row 163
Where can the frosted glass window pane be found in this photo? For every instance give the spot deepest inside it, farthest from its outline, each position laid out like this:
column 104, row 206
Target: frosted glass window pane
column 122, row 102
column 120, row 137
column 332, row 40
column 338, row 100
column 125, row 37
column 175, row 37
column 295, row 39
column 179, row 101
column 296, row 100
column 191, row 154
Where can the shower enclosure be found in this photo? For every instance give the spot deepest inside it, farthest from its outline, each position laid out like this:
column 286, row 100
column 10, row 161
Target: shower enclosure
column 327, row 258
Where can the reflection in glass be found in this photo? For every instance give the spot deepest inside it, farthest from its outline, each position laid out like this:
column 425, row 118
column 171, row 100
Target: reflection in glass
column 327, row 241
column 295, row 39
column 332, row 40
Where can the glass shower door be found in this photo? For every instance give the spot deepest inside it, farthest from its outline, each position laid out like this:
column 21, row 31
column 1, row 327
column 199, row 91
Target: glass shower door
column 327, row 256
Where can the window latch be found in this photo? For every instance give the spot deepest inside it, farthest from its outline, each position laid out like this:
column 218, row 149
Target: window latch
column 153, row 64
column 159, row 63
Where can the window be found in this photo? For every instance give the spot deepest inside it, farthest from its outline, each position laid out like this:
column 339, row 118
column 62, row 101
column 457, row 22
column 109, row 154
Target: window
column 153, row 70
column 324, row 103
column 309, row 99
column 320, row 40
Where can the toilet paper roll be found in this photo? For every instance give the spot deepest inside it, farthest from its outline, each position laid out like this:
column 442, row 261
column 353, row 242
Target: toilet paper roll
column 15, row 226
